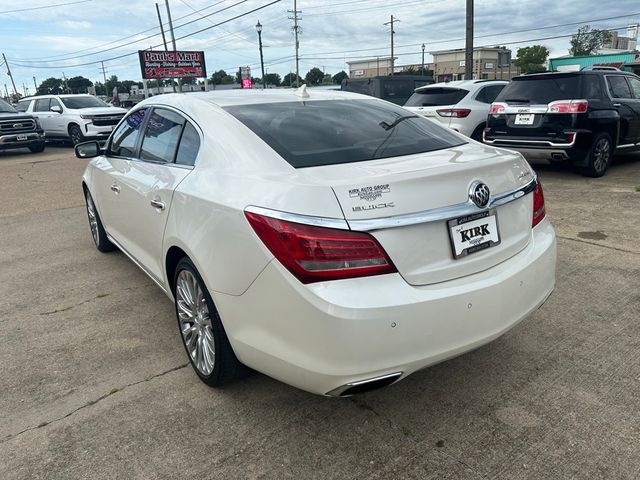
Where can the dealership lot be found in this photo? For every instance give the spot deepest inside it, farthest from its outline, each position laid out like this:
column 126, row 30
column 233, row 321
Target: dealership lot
column 95, row 382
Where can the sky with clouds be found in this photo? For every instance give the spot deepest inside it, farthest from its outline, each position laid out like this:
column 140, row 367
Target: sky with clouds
column 75, row 37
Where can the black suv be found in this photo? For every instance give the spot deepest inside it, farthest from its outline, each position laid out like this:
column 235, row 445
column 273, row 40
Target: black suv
column 18, row 130
column 579, row 116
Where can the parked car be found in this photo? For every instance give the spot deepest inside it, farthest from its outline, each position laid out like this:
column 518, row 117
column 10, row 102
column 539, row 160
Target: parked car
column 73, row 117
column 18, row 130
column 461, row 105
column 582, row 117
column 392, row 88
column 327, row 239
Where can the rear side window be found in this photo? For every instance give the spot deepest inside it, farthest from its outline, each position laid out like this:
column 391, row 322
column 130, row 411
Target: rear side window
column 436, row 97
column 489, row 93
column 618, row 86
column 125, row 138
column 309, row 134
column 592, row 87
column 161, row 136
column 635, row 86
column 189, row 146
column 540, row 90
column 23, row 105
column 42, row 105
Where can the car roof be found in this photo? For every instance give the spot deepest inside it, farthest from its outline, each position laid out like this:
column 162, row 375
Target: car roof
column 227, row 98
column 466, row 84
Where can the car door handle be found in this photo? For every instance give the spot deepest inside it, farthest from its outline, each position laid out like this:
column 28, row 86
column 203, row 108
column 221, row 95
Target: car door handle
column 617, row 105
column 115, row 188
column 157, row 204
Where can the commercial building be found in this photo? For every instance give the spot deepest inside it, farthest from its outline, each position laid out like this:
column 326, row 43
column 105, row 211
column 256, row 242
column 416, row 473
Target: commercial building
column 371, row 67
column 488, row 64
column 573, row 64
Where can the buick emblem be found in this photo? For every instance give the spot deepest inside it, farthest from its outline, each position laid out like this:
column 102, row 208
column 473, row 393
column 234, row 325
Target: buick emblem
column 479, row 194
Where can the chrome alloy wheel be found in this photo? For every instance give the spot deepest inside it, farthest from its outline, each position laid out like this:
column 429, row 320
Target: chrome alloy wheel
column 601, row 153
column 195, row 322
column 93, row 219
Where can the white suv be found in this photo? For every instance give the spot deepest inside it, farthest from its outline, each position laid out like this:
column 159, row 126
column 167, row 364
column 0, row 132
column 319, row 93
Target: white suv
column 73, row 117
column 462, row 105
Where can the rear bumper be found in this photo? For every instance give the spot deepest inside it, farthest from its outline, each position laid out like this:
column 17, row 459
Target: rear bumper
column 323, row 336
column 32, row 139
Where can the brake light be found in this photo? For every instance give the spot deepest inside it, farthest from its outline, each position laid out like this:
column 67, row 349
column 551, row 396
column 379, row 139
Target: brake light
column 316, row 254
column 497, row 108
column 568, row 106
column 454, row 112
column 538, row 205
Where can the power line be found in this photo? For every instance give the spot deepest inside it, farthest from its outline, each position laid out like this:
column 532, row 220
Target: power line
column 28, row 9
column 154, row 46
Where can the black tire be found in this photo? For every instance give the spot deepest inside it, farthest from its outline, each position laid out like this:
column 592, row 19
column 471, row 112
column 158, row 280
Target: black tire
column 97, row 230
column 226, row 366
column 75, row 134
column 477, row 133
column 37, row 148
column 600, row 155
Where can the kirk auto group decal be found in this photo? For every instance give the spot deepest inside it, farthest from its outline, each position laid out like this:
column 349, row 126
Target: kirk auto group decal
column 161, row 64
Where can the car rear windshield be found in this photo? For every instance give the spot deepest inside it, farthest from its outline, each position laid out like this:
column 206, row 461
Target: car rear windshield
column 310, row 134
column 82, row 102
column 436, row 97
column 540, row 90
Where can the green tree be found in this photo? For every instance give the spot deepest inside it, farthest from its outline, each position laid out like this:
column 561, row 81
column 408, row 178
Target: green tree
column 587, row 41
column 314, row 76
column 228, row 80
column 79, row 84
column 289, row 80
column 532, row 59
column 273, row 79
column 51, row 86
column 326, row 80
column 217, row 77
column 111, row 82
column 127, row 84
column 338, row 77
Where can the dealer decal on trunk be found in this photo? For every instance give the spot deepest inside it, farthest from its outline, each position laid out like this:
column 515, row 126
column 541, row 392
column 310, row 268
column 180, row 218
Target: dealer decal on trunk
column 369, row 193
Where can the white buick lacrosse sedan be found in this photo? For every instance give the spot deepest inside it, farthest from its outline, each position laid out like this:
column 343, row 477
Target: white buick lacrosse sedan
column 332, row 241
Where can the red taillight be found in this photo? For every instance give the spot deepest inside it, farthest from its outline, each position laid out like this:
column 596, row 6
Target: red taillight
column 568, row 106
column 315, row 254
column 454, row 112
column 538, row 205
column 497, row 108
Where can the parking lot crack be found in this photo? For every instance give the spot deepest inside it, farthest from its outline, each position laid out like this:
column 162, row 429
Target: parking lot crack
column 93, row 402
column 597, row 244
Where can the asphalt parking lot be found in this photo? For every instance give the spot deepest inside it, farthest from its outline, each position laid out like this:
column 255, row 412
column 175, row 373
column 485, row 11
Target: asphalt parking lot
column 95, row 381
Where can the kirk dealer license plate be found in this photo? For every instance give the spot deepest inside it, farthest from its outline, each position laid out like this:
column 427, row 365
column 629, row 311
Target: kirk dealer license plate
column 525, row 119
column 474, row 233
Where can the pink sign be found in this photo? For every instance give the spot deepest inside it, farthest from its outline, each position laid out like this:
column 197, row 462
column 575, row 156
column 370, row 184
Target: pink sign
column 246, row 83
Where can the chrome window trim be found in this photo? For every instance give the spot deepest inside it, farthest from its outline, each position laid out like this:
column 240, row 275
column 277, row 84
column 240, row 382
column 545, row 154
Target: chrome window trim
column 442, row 213
column 328, row 222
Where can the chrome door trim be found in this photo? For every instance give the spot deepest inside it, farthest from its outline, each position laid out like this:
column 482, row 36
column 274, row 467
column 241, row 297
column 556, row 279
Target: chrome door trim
column 140, row 266
column 443, row 213
column 328, row 222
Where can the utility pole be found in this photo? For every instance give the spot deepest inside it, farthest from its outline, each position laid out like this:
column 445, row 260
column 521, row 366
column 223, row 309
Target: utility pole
column 296, row 31
column 66, row 85
column 35, row 85
column 468, row 54
column 422, row 68
column 164, row 39
column 173, row 41
column 392, row 34
column 10, row 76
column 104, row 73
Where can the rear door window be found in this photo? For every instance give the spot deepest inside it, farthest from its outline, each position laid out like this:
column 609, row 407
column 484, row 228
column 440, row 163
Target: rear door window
column 161, row 136
column 326, row 132
column 125, row 139
column 436, row 97
column 189, row 146
column 42, row 105
column 618, row 86
column 635, row 86
column 489, row 93
column 541, row 89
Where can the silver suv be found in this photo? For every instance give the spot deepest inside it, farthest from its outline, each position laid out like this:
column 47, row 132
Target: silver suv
column 72, row 117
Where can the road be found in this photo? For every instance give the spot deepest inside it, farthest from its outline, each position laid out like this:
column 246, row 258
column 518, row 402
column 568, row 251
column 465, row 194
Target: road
column 95, row 382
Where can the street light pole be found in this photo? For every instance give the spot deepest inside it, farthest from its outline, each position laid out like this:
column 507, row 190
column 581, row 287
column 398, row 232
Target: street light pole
column 422, row 69
column 259, row 30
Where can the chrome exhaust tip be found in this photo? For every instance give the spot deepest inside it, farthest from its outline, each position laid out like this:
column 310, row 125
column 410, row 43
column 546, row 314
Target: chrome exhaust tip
column 362, row 386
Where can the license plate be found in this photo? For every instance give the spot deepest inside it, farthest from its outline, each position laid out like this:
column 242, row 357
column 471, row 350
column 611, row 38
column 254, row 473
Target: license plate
column 474, row 233
column 525, row 119
column 21, row 137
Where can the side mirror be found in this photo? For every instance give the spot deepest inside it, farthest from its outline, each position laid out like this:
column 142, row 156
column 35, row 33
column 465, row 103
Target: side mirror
column 56, row 108
column 88, row 149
